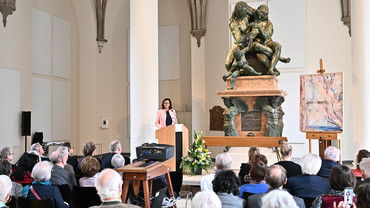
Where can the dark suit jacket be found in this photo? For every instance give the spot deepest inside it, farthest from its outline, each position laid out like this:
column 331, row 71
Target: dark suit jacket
column 359, row 183
column 307, row 185
column 47, row 192
column 59, row 176
column 326, row 167
column 292, row 168
column 255, row 201
column 106, row 161
column 72, row 161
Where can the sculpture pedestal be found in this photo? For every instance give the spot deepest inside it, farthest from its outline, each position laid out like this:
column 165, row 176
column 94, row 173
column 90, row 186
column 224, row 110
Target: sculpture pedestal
column 249, row 89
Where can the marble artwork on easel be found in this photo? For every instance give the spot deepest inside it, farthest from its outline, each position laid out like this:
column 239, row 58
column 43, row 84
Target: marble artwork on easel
column 321, row 102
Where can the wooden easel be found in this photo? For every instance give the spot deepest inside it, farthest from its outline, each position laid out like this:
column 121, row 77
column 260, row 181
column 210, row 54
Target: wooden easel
column 324, row 137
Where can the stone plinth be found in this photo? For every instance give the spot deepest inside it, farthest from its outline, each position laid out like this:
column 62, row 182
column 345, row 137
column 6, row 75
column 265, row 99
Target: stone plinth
column 257, row 86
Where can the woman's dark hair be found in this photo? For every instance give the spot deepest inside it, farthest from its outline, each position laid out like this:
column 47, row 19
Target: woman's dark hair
column 361, row 155
column 25, row 165
column 341, row 177
column 363, row 196
column 253, row 150
column 5, row 167
column 226, row 182
column 90, row 166
column 169, row 100
column 89, row 148
column 258, row 171
column 258, row 158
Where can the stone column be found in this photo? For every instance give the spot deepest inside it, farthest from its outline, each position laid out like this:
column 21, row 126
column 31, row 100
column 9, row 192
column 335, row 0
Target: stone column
column 361, row 74
column 143, row 71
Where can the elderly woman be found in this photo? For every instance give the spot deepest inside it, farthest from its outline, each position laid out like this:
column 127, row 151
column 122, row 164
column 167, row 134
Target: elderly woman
column 41, row 188
column 226, row 185
column 340, row 178
column 88, row 149
column 360, row 155
column 118, row 161
column 257, row 184
column 6, row 152
column 281, row 199
column 22, row 173
column 6, row 169
column 90, row 166
column 292, row 168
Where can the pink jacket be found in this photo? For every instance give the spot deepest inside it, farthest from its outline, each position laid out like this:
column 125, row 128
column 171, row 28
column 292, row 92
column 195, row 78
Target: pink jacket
column 160, row 122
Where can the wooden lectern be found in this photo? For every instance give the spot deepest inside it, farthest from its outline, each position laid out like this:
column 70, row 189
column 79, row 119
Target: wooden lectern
column 176, row 135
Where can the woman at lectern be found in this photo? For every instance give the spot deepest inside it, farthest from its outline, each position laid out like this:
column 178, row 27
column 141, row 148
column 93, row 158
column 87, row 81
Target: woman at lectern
column 166, row 116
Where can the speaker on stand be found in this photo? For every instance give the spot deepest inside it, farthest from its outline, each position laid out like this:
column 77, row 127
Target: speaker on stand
column 26, row 126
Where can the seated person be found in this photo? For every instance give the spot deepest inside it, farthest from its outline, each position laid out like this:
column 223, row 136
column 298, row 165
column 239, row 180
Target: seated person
column 118, row 161
column 6, row 169
column 88, row 149
column 206, row 199
column 365, row 170
column 246, row 167
column 223, row 162
column 255, row 159
column 71, row 160
column 24, row 165
column 292, row 168
column 115, row 148
column 257, row 184
column 308, row 184
column 331, row 156
column 281, row 199
column 60, row 176
column 363, row 196
column 226, row 185
column 360, row 155
column 90, row 167
column 340, row 178
column 5, row 190
column 42, row 188
column 6, row 152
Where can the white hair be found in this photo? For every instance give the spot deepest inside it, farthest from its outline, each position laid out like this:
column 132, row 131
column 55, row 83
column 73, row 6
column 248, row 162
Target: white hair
column 35, row 147
column 42, row 171
column 278, row 199
column 206, row 199
column 332, row 152
column 311, row 164
column 5, row 186
column 223, row 161
column 63, row 149
column 118, row 161
column 108, row 183
column 114, row 145
column 365, row 166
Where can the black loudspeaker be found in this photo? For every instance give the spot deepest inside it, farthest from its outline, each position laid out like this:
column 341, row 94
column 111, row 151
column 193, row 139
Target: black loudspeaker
column 26, row 123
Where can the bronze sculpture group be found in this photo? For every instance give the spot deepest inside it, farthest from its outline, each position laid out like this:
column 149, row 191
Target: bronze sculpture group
column 254, row 53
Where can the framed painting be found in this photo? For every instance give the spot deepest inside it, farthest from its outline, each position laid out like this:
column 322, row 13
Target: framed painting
column 321, row 102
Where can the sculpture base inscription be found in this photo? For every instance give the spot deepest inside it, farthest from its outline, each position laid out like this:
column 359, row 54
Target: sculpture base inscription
column 251, row 121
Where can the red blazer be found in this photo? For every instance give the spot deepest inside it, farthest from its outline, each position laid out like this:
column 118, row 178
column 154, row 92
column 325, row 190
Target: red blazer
column 160, row 122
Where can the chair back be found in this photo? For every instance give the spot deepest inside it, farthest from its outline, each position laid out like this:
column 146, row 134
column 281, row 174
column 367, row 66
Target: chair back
column 12, row 203
column 35, row 203
column 246, row 195
column 65, row 192
column 308, row 201
column 86, row 196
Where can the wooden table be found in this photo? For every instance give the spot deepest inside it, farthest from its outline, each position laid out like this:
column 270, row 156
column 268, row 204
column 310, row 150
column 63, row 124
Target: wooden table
column 137, row 172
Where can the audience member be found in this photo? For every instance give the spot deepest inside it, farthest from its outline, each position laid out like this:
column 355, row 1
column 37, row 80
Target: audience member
column 24, row 166
column 275, row 178
column 59, row 175
column 6, row 169
column 223, row 162
column 42, row 188
column 226, row 185
column 6, row 152
column 360, row 155
column 71, row 160
column 363, row 196
column 246, row 167
column 331, row 156
column 90, row 167
column 37, row 149
column 5, row 189
column 340, row 177
column 206, row 199
column 109, row 187
column 115, row 148
column 308, row 184
column 118, row 161
column 257, row 184
column 292, row 168
column 365, row 170
column 88, row 149
column 255, row 159
column 278, row 199
column 67, row 167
